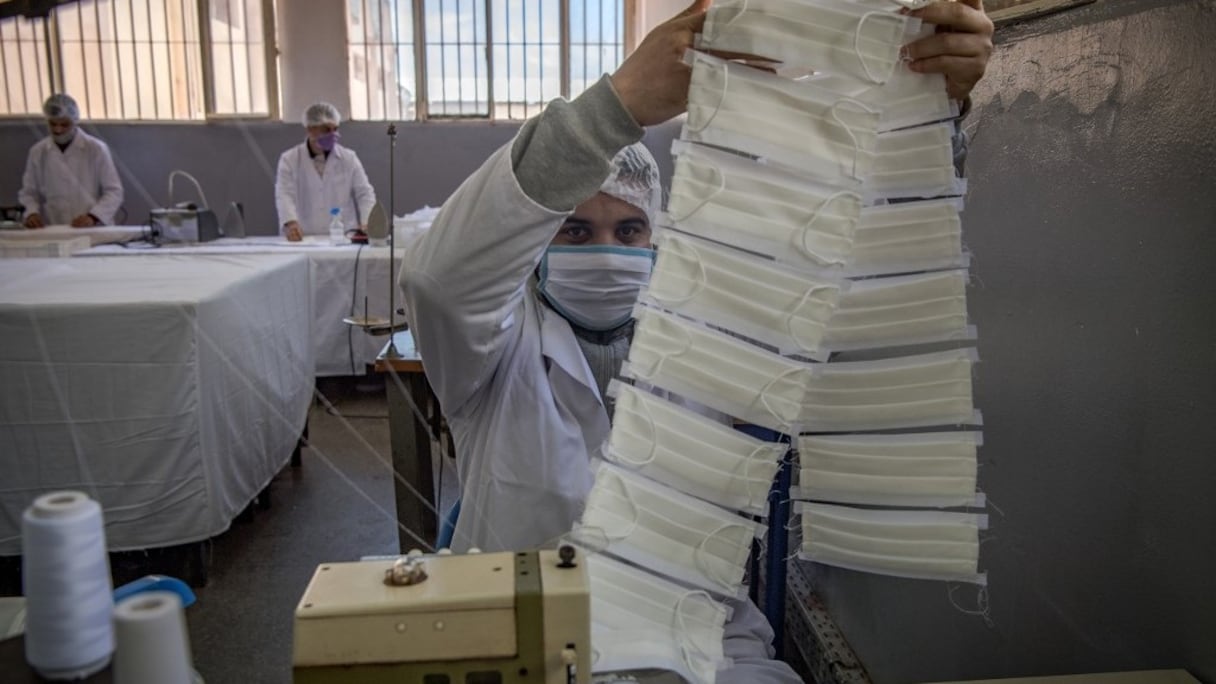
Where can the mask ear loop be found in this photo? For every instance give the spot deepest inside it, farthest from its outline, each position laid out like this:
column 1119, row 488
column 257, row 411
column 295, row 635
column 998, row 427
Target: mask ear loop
column 834, row 110
column 644, row 411
column 701, row 205
column 721, row 98
column 633, row 524
column 752, row 459
column 699, row 552
column 785, row 421
column 679, row 629
column 805, row 345
column 659, row 364
column 698, row 285
column 801, row 241
column 857, row 46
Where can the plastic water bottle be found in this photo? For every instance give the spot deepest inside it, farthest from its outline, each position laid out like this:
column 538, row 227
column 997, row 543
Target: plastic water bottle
column 337, row 231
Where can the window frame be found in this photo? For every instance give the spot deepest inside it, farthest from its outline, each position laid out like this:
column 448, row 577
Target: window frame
column 54, row 67
column 422, row 96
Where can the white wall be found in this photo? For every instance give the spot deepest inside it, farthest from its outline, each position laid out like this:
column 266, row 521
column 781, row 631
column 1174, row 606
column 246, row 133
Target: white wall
column 651, row 13
column 312, row 55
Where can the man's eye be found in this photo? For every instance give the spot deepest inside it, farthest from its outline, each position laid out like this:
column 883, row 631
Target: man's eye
column 575, row 232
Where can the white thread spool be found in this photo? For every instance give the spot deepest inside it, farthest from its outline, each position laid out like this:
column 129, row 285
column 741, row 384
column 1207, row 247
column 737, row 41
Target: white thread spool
column 153, row 647
column 69, row 632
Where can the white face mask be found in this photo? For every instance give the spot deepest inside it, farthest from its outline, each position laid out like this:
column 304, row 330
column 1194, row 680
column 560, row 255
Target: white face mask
column 915, row 162
column 624, row 597
column 906, row 99
column 927, row 469
column 834, row 37
column 663, row 530
column 908, row 237
column 696, row 455
column 716, row 370
column 761, row 208
column 791, row 123
column 917, row 544
column 594, row 287
column 909, row 391
column 889, row 312
column 773, row 304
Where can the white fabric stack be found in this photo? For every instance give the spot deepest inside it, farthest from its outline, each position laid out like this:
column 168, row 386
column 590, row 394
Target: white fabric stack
column 785, row 246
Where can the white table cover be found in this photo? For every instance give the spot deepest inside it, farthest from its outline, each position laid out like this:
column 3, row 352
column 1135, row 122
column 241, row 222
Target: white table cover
column 340, row 276
column 101, row 235
column 171, row 389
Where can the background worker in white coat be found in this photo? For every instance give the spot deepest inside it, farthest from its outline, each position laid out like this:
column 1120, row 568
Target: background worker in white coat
column 70, row 177
column 319, row 175
column 518, row 362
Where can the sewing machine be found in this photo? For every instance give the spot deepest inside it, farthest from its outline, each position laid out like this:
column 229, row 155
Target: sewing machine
column 478, row 618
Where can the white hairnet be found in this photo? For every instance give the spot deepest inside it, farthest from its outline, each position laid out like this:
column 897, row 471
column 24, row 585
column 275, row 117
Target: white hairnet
column 321, row 114
column 61, row 106
column 635, row 179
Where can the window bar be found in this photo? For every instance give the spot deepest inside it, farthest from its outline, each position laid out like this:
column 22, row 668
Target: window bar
column 443, row 81
column 421, row 88
column 25, row 89
column 365, row 49
column 249, row 50
column 524, row 61
column 50, row 56
column 617, row 40
column 396, row 34
column 507, row 48
column 629, row 9
column 88, row 95
column 600, row 51
column 489, row 59
column 101, row 64
column 122, row 100
column 204, row 37
column 270, row 47
column 564, row 50
column 151, row 51
column 586, row 40
column 236, row 106
column 540, row 53
column 459, row 60
column 381, row 45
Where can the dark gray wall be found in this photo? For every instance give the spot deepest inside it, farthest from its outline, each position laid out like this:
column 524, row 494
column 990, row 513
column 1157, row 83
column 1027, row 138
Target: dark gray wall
column 1092, row 218
column 236, row 161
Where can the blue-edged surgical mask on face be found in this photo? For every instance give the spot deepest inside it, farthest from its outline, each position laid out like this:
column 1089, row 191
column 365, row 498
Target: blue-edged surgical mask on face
column 594, row 286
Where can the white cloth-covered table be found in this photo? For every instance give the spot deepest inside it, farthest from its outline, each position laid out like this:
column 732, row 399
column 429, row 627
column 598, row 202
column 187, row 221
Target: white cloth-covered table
column 172, row 392
column 340, row 276
column 101, row 235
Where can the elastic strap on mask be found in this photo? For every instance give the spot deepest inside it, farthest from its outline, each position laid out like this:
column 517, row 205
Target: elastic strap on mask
column 741, row 12
column 644, row 411
column 857, row 46
column 721, row 187
column 801, row 243
column 648, row 376
column 633, row 507
column 699, row 553
column 752, row 459
column 789, row 318
column 833, row 110
column 679, row 630
column 721, row 97
column 786, row 422
column 698, row 285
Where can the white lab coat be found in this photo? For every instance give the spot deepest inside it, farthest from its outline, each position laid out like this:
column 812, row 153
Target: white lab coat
column 518, row 394
column 301, row 194
column 81, row 179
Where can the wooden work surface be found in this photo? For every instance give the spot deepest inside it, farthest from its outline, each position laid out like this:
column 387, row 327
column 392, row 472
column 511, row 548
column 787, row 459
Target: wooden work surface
column 407, row 359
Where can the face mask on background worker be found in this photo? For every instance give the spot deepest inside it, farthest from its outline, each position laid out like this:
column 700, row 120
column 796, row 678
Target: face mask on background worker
column 322, row 120
column 595, row 286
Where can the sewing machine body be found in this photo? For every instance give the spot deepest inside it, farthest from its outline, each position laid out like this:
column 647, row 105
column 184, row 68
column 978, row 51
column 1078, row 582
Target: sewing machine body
column 494, row 618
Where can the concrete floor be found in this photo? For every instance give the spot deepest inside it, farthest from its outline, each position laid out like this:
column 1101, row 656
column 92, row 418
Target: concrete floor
column 337, row 507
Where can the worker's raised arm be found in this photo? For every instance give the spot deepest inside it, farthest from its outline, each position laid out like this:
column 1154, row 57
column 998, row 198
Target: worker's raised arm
column 465, row 280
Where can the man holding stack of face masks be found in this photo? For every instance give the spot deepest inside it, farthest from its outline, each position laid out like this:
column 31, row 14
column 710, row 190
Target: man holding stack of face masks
column 318, row 176
column 521, row 294
column 69, row 177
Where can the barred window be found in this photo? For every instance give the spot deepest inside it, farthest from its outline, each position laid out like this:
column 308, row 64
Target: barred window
column 497, row 59
column 143, row 60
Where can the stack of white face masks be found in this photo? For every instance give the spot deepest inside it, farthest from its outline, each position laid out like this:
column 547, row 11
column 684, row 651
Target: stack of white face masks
column 808, row 215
